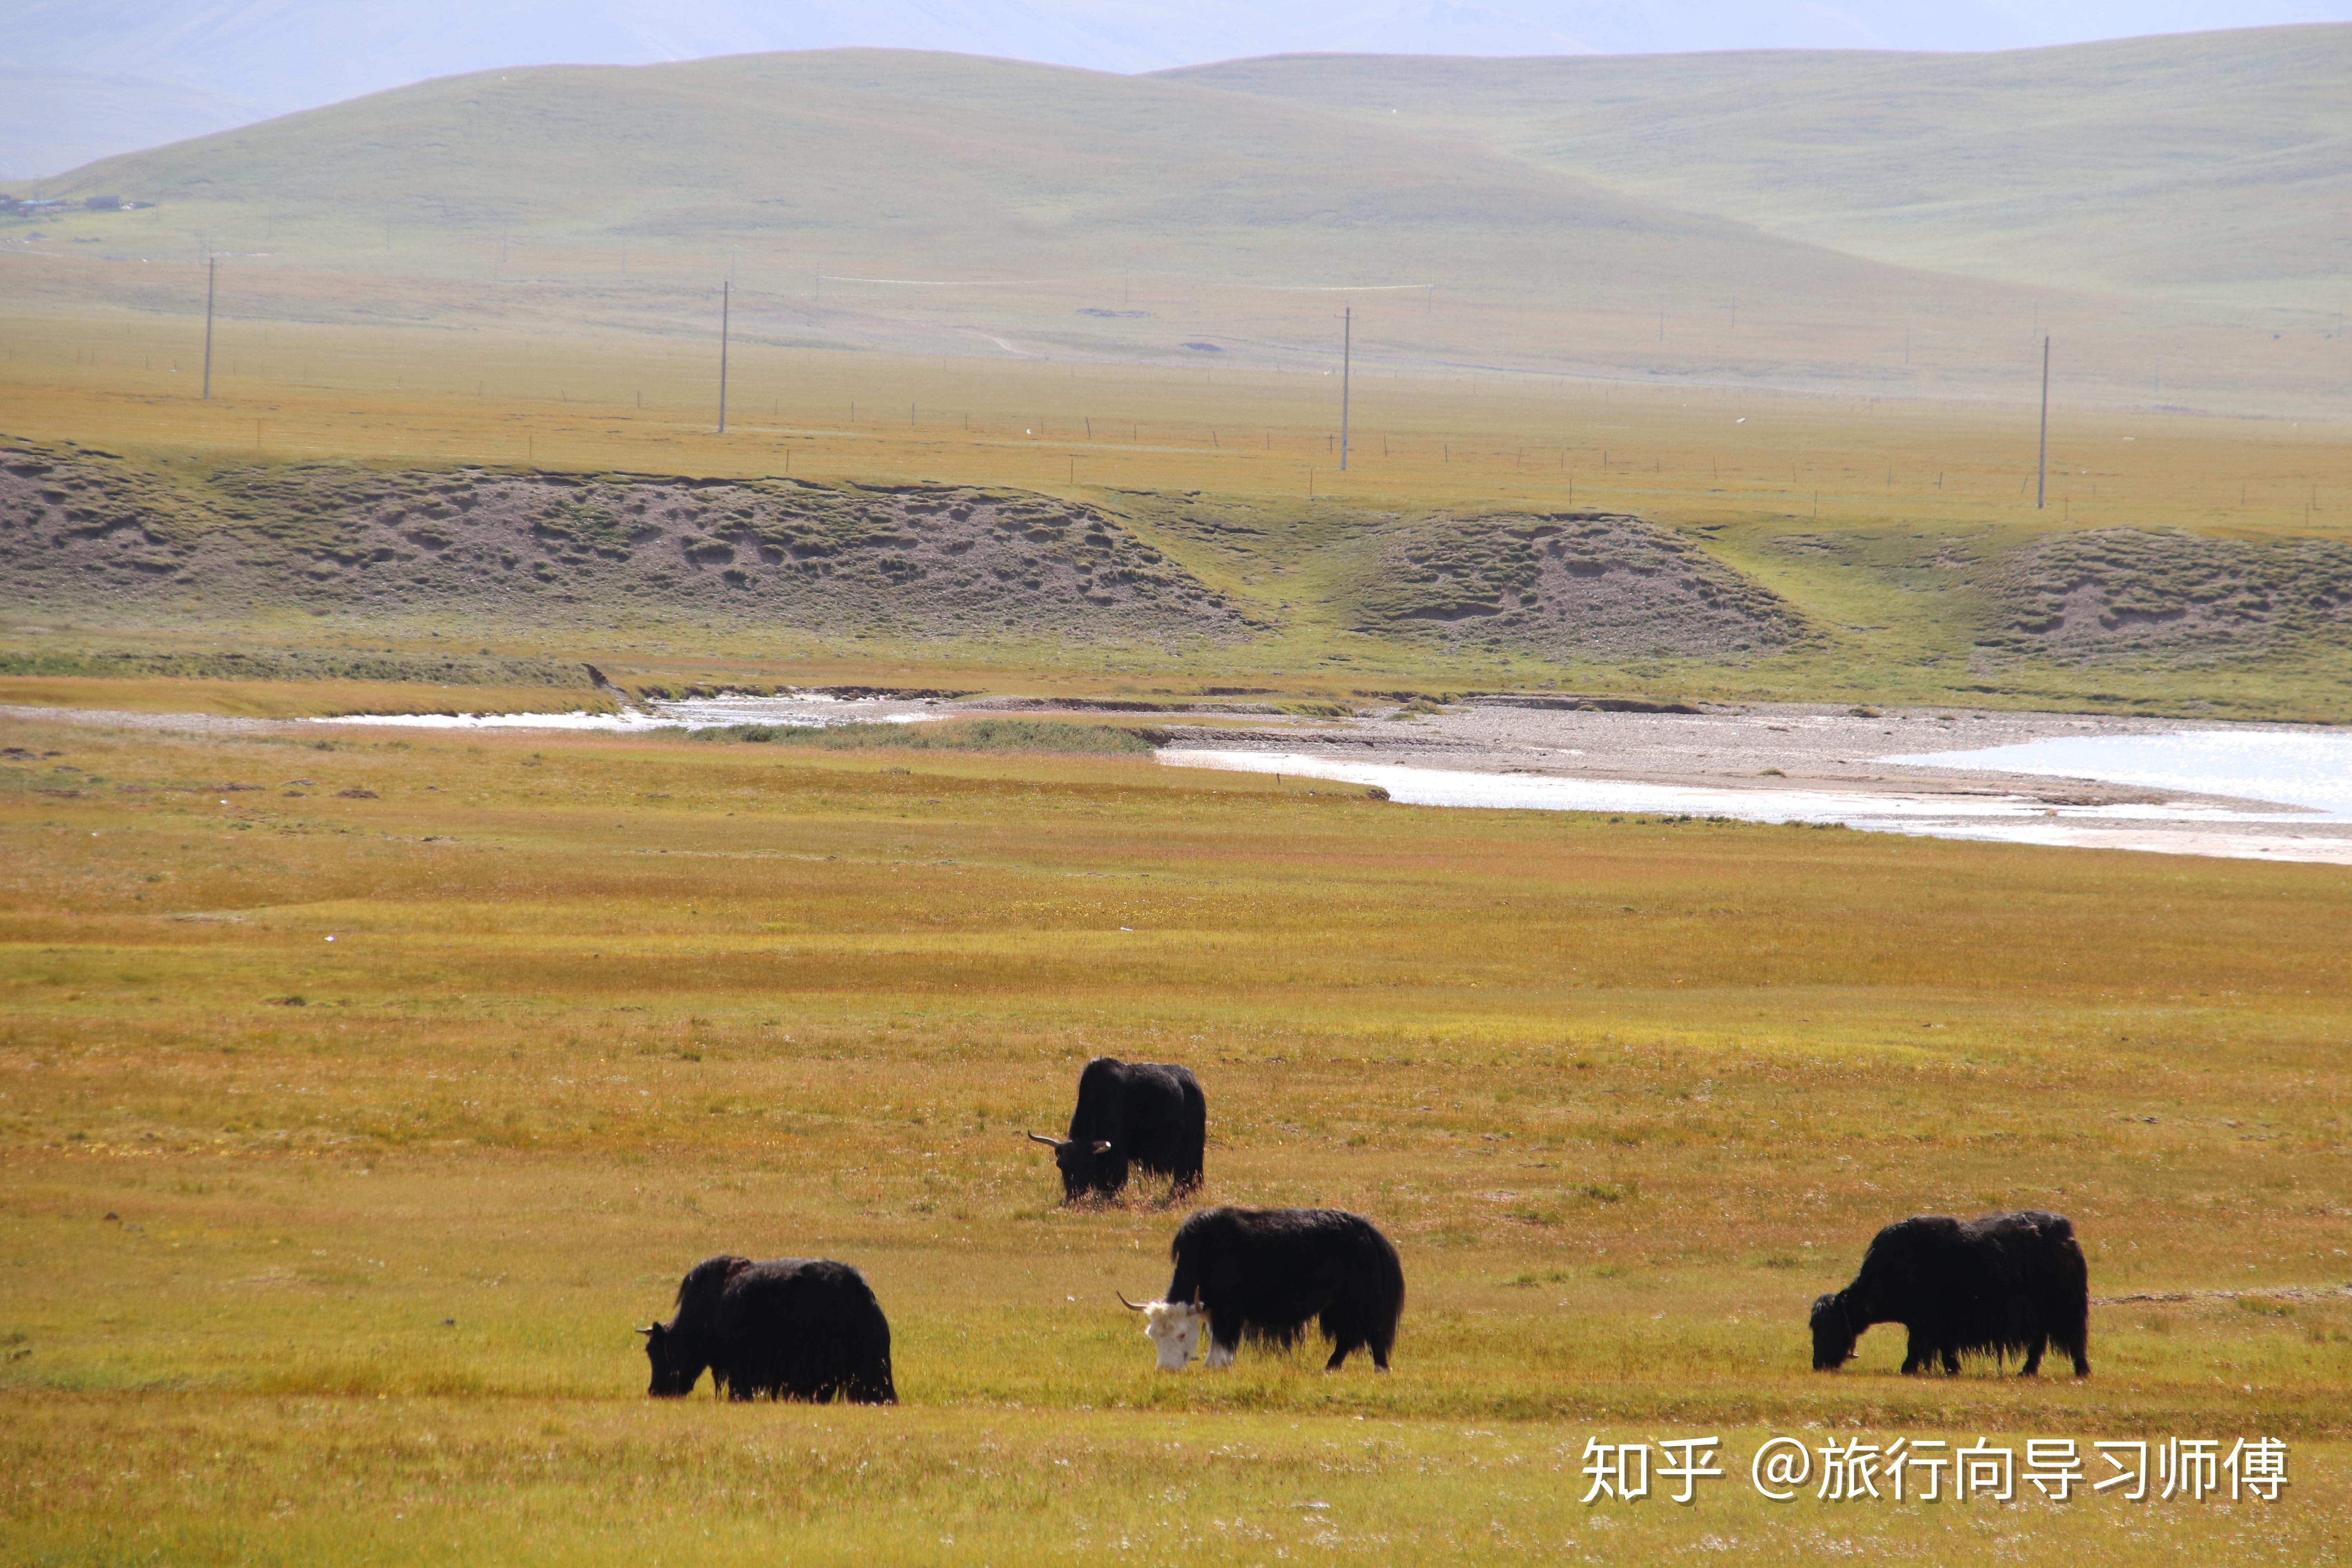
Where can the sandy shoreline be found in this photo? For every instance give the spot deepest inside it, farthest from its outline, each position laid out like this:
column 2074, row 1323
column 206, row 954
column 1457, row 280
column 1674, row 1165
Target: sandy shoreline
column 1811, row 746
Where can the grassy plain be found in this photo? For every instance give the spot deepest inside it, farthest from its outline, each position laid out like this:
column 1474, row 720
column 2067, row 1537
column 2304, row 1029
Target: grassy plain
column 286, row 392
column 286, row 699
column 328, row 1250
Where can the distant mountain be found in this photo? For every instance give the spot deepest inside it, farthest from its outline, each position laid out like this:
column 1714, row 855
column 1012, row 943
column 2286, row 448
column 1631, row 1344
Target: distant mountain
column 2215, row 166
column 953, row 167
column 945, row 204
column 285, row 54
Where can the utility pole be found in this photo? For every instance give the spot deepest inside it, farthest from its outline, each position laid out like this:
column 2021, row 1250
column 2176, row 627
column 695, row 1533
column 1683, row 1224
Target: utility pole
column 1347, row 366
column 2042, row 467
column 725, row 293
column 212, row 277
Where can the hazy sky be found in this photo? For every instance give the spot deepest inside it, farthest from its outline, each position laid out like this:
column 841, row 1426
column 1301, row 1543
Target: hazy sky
column 285, row 54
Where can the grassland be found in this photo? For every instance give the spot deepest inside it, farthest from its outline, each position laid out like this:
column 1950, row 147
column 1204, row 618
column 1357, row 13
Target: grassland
column 329, row 1250
column 360, row 1094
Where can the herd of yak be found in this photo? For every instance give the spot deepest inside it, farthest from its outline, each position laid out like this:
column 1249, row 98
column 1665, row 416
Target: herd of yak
column 797, row 1328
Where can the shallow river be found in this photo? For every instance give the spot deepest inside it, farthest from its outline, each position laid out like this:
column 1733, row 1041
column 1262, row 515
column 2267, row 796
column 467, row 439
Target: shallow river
column 2307, row 774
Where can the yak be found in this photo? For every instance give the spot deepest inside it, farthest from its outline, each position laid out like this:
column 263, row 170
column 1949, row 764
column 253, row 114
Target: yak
column 2002, row 1285
column 1266, row 1273
column 1150, row 1116
column 790, row 1328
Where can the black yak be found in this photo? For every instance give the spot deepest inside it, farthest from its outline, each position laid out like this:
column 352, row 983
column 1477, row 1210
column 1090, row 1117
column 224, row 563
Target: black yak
column 1148, row 1115
column 790, row 1328
column 1266, row 1273
column 2006, row 1284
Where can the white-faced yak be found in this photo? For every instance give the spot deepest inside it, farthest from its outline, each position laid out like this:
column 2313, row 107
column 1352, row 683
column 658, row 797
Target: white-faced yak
column 2006, row 1284
column 790, row 1328
column 1266, row 1274
column 1149, row 1116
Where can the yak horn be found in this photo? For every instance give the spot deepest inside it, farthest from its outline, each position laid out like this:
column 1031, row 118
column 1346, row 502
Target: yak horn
column 1049, row 1142
column 1123, row 1301
column 649, row 1328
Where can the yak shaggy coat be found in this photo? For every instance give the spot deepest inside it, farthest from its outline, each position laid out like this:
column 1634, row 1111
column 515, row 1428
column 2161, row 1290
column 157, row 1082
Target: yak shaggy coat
column 790, row 1328
column 2006, row 1284
column 1149, row 1115
column 1266, row 1273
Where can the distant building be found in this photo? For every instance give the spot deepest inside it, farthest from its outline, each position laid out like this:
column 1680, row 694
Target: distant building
column 104, row 203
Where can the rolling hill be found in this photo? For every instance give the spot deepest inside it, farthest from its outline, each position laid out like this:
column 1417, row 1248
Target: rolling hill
column 1849, row 223
column 950, row 162
column 2214, row 167
column 288, row 55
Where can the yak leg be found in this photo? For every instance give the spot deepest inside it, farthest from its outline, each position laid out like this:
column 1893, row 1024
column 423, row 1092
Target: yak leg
column 1952, row 1359
column 1919, row 1353
column 2081, row 1365
column 1340, row 1353
column 2033, row 1349
column 1224, row 1339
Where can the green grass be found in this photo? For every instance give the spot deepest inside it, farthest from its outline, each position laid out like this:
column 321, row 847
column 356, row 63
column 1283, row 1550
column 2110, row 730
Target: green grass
column 2136, row 164
column 332, row 1250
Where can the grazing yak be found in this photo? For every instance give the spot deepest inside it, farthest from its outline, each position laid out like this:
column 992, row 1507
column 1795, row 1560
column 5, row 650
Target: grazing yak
column 790, row 1328
column 1148, row 1115
column 2006, row 1284
column 1266, row 1273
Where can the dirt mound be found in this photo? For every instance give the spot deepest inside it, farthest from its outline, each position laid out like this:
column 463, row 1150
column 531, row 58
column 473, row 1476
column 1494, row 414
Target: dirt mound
column 2118, row 591
column 89, row 533
column 1564, row 585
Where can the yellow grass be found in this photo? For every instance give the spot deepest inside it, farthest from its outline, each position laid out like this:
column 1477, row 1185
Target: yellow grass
column 286, row 391
column 289, row 698
column 1627, row 1094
